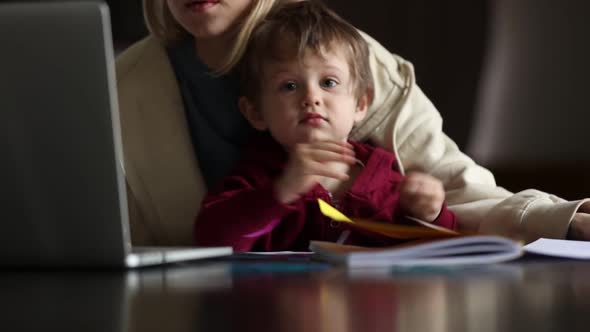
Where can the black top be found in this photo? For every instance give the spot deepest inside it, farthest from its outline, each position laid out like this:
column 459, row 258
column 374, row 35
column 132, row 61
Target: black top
column 216, row 126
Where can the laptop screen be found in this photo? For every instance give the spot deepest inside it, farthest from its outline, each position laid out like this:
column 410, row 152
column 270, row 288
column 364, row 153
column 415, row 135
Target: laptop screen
column 62, row 185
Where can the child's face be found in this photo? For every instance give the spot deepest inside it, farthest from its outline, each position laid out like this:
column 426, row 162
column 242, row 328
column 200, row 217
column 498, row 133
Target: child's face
column 309, row 100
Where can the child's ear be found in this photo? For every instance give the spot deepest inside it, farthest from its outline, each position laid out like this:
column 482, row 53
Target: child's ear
column 362, row 106
column 250, row 112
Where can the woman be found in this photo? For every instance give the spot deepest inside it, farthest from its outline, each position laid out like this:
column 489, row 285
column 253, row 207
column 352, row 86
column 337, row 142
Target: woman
column 181, row 129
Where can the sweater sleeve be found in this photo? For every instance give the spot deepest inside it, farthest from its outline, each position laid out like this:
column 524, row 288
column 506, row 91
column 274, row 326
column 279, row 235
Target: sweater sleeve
column 446, row 219
column 237, row 213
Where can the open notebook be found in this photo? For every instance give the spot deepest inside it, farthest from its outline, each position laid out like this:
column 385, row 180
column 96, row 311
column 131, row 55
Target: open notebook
column 468, row 250
column 435, row 246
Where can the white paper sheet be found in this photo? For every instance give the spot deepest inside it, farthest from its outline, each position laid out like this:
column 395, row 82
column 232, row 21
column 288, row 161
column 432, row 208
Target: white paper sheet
column 278, row 253
column 560, row 248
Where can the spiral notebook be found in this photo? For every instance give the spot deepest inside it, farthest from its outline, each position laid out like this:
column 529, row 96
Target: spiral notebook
column 426, row 244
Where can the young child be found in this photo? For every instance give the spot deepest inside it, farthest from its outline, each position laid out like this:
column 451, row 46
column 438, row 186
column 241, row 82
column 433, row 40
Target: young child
column 306, row 81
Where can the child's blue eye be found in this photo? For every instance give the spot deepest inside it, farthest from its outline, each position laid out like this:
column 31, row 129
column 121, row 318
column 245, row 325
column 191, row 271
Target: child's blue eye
column 329, row 83
column 289, row 86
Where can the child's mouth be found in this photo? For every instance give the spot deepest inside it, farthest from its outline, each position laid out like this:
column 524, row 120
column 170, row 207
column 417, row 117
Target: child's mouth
column 313, row 120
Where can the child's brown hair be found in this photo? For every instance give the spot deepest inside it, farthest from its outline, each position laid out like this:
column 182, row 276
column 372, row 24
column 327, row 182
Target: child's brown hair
column 308, row 25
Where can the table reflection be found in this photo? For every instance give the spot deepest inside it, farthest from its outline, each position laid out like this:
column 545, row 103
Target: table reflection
column 535, row 296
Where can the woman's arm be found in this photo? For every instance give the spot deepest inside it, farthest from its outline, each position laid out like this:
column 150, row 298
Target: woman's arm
column 404, row 121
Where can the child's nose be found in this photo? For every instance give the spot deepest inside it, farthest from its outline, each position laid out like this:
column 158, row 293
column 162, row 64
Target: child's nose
column 311, row 98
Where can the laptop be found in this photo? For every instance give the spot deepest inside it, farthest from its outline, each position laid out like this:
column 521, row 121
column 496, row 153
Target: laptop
column 62, row 187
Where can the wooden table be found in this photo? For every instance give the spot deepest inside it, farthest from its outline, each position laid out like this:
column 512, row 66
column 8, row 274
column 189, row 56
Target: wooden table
column 534, row 294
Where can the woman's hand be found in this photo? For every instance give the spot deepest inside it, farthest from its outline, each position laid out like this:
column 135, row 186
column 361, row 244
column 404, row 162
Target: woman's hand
column 422, row 196
column 580, row 225
column 308, row 162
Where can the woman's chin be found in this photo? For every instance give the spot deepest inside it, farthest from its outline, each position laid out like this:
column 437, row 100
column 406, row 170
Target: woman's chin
column 207, row 32
column 210, row 29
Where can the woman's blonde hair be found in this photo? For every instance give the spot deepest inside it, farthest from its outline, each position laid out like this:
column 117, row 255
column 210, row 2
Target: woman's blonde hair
column 161, row 23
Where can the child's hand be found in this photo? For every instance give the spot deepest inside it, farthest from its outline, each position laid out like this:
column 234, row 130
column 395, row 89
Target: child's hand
column 309, row 162
column 422, row 196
